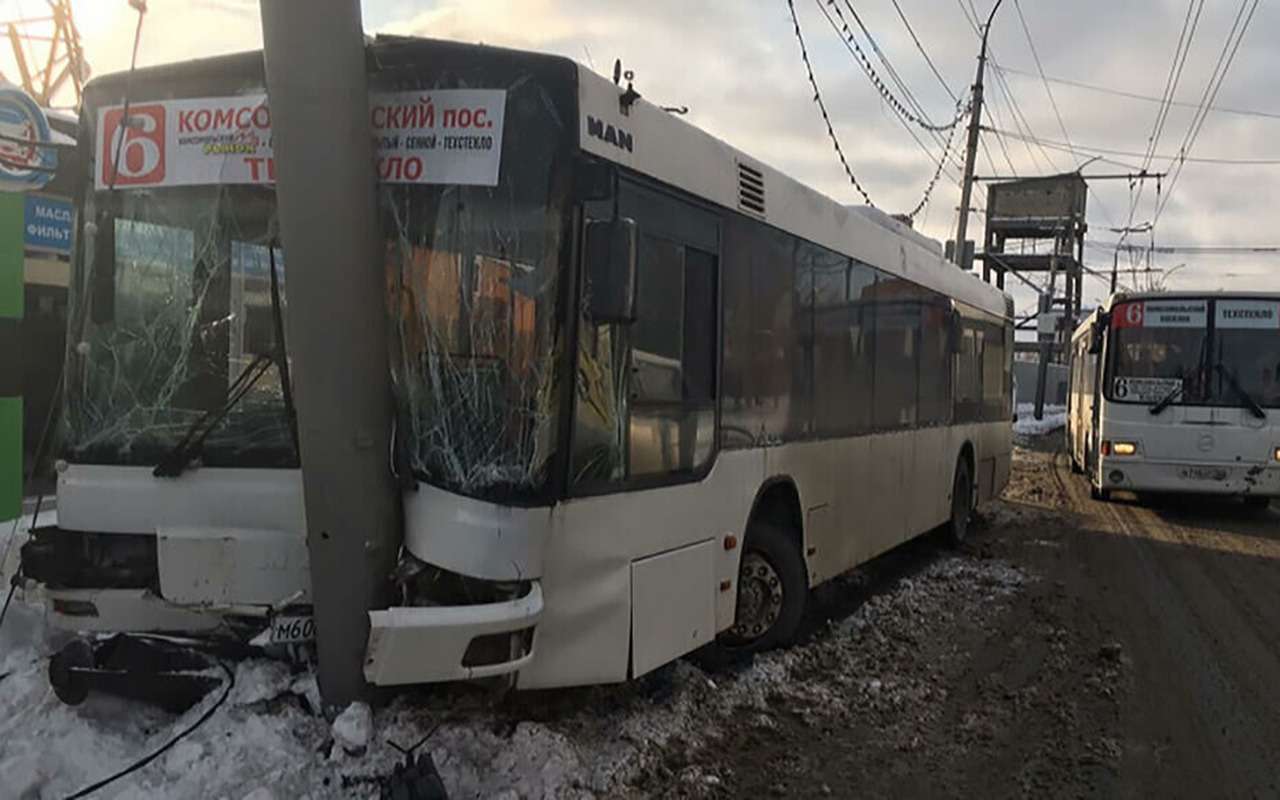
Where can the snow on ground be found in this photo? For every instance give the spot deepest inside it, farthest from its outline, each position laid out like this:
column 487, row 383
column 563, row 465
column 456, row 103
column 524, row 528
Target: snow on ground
column 608, row 741
column 1055, row 417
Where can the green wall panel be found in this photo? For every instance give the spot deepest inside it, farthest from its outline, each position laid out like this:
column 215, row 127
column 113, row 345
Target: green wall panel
column 12, row 209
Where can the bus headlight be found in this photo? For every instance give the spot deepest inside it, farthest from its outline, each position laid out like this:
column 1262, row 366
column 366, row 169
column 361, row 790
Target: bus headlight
column 1277, row 454
column 1124, row 448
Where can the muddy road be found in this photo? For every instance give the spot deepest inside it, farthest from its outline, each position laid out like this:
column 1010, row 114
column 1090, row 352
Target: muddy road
column 1136, row 654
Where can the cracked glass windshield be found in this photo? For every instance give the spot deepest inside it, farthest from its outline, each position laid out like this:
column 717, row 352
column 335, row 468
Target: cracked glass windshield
column 173, row 303
column 474, row 281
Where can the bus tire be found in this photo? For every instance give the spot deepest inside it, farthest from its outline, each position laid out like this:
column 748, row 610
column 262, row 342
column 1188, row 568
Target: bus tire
column 1257, row 502
column 957, row 527
column 772, row 592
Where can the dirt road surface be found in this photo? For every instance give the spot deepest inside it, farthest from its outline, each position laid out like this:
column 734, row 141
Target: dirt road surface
column 1136, row 653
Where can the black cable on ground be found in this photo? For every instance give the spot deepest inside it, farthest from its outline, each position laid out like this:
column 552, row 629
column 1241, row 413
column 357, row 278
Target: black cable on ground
column 137, row 765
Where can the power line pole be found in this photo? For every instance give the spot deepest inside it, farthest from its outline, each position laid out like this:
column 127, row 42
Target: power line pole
column 971, row 150
column 317, row 85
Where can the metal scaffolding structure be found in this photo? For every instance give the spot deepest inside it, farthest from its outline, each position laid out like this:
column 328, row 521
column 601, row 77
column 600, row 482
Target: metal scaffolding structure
column 48, row 55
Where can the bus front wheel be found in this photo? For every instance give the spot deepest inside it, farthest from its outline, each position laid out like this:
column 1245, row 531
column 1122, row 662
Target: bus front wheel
column 772, row 590
column 961, row 505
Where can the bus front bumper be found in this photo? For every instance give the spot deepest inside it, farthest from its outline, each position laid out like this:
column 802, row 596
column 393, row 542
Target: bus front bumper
column 431, row 644
column 1220, row 479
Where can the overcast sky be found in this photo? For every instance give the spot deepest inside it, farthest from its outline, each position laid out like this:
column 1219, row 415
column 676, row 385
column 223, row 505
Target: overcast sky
column 736, row 65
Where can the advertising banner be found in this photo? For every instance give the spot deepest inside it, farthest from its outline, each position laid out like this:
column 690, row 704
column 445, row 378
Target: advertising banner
column 47, row 225
column 444, row 136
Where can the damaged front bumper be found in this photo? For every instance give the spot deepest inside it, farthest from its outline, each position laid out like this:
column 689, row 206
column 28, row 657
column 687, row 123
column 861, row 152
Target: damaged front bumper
column 431, row 644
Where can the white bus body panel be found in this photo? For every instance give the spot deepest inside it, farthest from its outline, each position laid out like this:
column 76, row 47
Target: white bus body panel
column 1192, row 450
column 641, row 572
column 225, row 537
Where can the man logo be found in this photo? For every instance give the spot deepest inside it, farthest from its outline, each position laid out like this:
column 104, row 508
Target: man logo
column 133, row 155
column 607, row 133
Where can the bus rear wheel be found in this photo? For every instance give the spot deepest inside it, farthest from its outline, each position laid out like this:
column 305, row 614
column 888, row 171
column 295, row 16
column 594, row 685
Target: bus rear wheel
column 957, row 529
column 772, row 590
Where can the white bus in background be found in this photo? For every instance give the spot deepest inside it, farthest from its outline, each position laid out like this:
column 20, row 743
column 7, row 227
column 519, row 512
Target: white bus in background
column 1178, row 392
column 650, row 391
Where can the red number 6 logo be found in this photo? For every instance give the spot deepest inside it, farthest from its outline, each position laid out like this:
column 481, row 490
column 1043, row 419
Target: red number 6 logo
column 133, row 153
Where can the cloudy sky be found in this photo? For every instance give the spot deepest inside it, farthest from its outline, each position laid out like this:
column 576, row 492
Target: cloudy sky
column 736, row 64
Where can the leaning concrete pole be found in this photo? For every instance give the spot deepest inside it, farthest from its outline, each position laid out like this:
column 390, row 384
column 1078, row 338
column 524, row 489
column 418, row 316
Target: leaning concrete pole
column 319, row 96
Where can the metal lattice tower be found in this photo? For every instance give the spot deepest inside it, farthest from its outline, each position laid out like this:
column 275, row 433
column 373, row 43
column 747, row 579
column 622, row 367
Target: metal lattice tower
column 48, row 55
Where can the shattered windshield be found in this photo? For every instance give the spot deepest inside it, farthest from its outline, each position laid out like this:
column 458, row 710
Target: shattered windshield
column 172, row 302
column 474, row 281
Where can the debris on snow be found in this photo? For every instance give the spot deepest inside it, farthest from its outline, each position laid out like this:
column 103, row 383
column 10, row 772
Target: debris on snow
column 353, row 727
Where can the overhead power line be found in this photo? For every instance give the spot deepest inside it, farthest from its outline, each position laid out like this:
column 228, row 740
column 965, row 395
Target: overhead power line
column 822, row 106
column 1146, row 98
column 924, row 52
column 916, row 114
column 1040, row 68
column 1216, row 79
column 841, row 28
column 1093, row 150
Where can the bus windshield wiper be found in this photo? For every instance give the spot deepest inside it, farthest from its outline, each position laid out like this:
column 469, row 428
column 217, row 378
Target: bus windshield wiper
column 175, row 461
column 1168, row 399
column 1249, row 402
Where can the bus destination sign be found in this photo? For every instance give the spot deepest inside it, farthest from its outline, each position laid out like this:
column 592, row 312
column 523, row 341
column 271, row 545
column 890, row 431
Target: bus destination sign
column 1162, row 314
column 451, row 136
column 1254, row 314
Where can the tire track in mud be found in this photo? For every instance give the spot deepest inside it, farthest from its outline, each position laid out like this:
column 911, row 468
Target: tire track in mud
column 1199, row 611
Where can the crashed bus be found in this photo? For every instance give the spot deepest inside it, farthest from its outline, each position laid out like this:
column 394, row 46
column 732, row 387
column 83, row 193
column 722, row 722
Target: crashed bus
column 1178, row 392
column 649, row 391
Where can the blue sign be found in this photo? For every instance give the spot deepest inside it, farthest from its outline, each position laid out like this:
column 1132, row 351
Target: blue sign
column 24, row 164
column 47, row 225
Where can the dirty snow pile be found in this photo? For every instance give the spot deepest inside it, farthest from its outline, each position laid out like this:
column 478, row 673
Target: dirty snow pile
column 637, row 739
column 1055, row 417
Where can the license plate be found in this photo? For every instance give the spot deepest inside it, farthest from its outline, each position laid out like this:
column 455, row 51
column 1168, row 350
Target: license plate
column 1205, row 473
column 285, row 630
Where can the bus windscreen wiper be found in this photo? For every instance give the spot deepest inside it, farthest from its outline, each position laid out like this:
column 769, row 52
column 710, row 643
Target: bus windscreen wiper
column 175, row 461
column 1168, row 399
column 1249, row 402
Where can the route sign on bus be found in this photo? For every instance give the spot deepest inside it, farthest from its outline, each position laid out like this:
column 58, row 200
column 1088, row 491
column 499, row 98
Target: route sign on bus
column 451, row 136
column 1162, row 314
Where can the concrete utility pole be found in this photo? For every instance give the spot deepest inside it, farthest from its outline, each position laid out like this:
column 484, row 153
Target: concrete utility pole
column 971, row 150
column 318, row 89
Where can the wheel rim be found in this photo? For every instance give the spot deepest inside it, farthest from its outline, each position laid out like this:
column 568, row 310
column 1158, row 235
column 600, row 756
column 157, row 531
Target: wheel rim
column 759, row 598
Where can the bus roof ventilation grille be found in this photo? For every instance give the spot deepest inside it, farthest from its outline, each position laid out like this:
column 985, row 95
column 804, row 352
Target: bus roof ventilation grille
column 750, row 189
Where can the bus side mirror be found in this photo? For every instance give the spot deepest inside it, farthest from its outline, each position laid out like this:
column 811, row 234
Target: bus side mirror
column 102, row 274
column 611, row 253
column 1097, row 334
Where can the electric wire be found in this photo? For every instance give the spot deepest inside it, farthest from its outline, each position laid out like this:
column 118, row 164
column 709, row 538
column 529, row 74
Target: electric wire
column 1093, row 87
column 1100, row 150
column 1035, row 55
column 822, row 106
column 842, row 31
column 1216, row 79
column 919, row 46
column 142, row 762
column 916, row 114
column 1181, row 51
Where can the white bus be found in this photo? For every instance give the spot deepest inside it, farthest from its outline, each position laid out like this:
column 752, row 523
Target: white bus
column 650, row 391
column 1178, row 392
